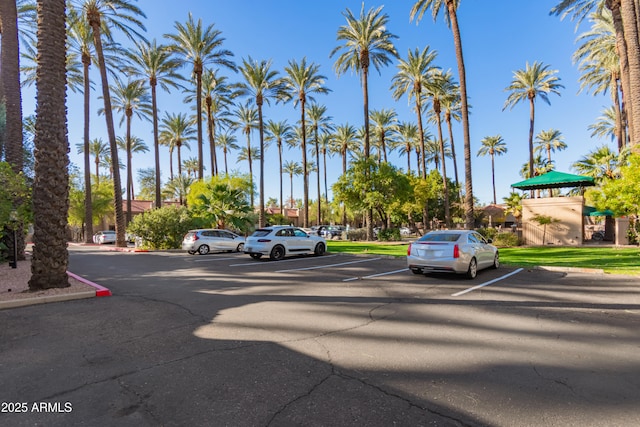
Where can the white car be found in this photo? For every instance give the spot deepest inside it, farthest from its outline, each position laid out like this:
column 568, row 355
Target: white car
column 105, row 236
column 452, row 251
column 206, row 240
column 280, row 241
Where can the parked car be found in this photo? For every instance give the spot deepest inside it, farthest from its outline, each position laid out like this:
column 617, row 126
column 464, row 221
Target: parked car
column 105, row 236
column 205, row 240
column 452, row 251
column 280, row 241
column 405, row 231
column 333, row 232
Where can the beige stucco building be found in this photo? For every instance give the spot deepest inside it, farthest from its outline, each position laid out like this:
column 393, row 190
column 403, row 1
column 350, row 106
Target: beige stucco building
column 566, row 216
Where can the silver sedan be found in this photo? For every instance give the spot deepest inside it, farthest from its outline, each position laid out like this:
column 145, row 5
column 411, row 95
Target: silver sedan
column 452, row 251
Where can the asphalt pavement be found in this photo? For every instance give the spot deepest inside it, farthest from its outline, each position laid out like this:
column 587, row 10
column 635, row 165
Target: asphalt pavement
column 337, row 340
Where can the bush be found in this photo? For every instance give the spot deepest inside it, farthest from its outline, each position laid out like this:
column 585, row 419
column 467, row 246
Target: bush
column 506, row 240
column 488, row 233
column 355, row 234
column 389, row 235
column 162, row 228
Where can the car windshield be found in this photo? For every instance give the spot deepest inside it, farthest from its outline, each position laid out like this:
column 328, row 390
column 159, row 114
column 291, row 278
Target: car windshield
column 440, row 237
column 261, row 232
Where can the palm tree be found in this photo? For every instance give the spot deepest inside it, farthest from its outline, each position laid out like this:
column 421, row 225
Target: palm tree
column 325, row 141
column 279, row 132
column 121, row 15
column 493, row 146
column 98, row 149
column 417, row 11
column 606, row 125
column 534, row 81
column 51, row 186
column 131, row 145
column 549, row 141
column 384, row 123
column 601, row 164
column 301, row 82
column 191, row 166
column 178, row 188
column 366, row 41
column 199, row 47
column 411, row 79
column 175, row 132
column 227, row 142
column 130, row 99
column 450, row 104
column 261, row 85
column 344, row 140
column 292, row 168
column 319, row 122
column 154, row 63
column 407, row 139
column 247, row 120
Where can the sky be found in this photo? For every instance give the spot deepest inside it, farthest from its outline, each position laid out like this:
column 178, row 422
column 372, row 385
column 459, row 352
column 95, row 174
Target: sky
column 498, row 38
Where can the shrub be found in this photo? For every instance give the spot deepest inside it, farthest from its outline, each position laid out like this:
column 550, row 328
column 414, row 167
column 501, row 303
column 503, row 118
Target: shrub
column 389, row 235
column 162, row 228
column 488, row 233
column 506, row 240
column 356, row 234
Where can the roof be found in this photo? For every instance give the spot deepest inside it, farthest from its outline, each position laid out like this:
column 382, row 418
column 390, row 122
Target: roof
column 554, row 179
column 591, row 211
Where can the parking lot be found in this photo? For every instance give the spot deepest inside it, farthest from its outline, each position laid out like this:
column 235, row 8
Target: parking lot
column 222, row 339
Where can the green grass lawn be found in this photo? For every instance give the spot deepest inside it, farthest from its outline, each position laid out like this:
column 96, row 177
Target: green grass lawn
column 611, row 260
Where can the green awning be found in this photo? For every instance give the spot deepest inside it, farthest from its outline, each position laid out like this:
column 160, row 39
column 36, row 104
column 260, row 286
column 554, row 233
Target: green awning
column 554, row 179
column 591, row 211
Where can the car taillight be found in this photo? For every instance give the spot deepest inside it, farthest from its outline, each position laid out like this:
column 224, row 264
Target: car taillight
column 456, row 251
column 194, row 237
column 409, row 250
column 264, row 240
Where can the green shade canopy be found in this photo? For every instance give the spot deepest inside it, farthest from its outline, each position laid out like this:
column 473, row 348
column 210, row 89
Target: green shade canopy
column 554, row 179
column 591, row 211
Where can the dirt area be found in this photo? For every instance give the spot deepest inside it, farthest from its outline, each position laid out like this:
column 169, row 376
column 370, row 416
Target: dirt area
column 14, row 283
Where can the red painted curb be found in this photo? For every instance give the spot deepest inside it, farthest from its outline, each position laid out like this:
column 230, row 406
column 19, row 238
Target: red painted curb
column 101, row 291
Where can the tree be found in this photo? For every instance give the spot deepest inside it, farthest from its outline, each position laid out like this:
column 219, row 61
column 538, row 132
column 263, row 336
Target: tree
column 51, row 186
column 320, row 122
column 549, row 141
column 417, row 11
column 247, row 120
column 227, row 142
column 154, row 62
column 366, row 42
column 384, row 122
column 493, row 146
column 131, row 145
column 411, row 79
column 406, row 140
column 147, row 180
column 121, row 15
column 292, row 168
column 535, row 81
column 199, row 47
column 606, row 126
column 175, row 132
column 222, row 205
column 514, row 204
column 279, row 132
column 601, row 164
column 301, row 82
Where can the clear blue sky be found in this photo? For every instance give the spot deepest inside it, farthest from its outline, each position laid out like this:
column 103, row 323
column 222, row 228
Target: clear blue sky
column 498, row 37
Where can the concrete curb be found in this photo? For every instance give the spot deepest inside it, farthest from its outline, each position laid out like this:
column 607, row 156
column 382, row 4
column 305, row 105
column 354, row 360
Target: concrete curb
column 572, row 269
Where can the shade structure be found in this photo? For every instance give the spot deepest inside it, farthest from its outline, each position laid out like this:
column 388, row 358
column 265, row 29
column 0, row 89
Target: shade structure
column 554, row 179
column 591, row 211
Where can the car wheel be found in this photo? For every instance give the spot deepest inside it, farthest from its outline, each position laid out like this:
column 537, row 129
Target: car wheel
column 203, row 250
column 191, row 252
column 277, row 253
column 472, row 272
column 416, row 271
column 255, row 256
column 319, row 250
column 496, row 261
column 240, row 247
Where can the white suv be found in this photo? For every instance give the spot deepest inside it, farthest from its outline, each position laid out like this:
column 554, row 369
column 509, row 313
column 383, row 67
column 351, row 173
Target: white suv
column 207, row 240
column 279, row 241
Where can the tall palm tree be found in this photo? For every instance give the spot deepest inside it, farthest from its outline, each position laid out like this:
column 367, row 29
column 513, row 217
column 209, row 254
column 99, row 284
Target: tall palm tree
column 384, row 123
column 319, row 122
column 226, row 142
column 493, row 146
column 51, row 186
column 176, row 131
column 366, row 42
column 301, row 82
column 131, row 145
column 154, row 63
column 535, row 81
column 451, row 6
column 123, row 16
column 130, row 99
column 279, row 132
column 292, row 168
column 261, row 85
column 247, row 121
column 606, row 125
column 191, row 166
column 98, row 149
column 199, row 47
column 411, row 79
column 325, row 141
column 406, row 140
column 450, row 104
column 178, row 188
column 344, row 140
column 549, row 141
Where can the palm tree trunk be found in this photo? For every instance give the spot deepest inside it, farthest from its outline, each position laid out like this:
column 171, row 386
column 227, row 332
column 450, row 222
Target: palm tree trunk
column 493, row 178
column 319, row 210
column 421, row 131
column 365, row 92
column 280, row 162
column 305, row 170
column 615, row 95
column 464, row 109
column 447, row 215
column 94, row 22
column 51, row 186
column 261, row 217
column 447, row 118
column 211, row 130
column 628, row 10
column 198, row 73
column 344, row 171
column 88, row 208
column 532, row 114
column 156, row 144
column 621, row 46
column 129, row 168
column 324, row 170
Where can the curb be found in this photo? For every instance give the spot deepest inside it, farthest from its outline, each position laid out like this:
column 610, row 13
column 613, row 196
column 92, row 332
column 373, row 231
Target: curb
column 101, row 291
column 571, row 269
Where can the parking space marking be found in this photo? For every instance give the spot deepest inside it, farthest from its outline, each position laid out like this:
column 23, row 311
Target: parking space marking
column 214, row 259
column 386, row 273
column 328, row 265
column 487, row 283
column 279, row 262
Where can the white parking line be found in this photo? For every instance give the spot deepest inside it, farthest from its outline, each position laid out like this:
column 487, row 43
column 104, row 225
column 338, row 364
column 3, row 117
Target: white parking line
column 279, row 262
column 487, row 283
column 214, row 259
column 387, row 273
column 328, row 265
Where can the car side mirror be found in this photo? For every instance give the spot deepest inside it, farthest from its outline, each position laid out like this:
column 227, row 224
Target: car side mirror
column 489, row 240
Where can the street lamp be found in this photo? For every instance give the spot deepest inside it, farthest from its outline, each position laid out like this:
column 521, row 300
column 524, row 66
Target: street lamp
column 13, row 217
